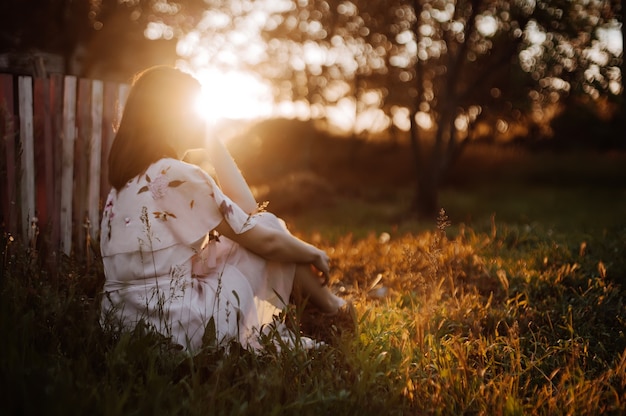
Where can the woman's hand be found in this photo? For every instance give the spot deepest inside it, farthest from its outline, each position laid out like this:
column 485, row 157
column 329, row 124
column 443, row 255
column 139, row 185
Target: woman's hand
column 322, row 264
column 276, row 244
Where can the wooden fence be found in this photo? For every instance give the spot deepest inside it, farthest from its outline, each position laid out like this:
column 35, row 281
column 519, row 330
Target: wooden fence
column 56, row 133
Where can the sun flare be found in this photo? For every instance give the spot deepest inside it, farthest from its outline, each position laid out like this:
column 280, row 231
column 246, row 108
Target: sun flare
column 233, row 95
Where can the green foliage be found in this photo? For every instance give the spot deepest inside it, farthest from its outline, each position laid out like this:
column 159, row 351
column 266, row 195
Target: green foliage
column 516, row 313
column 508, row 320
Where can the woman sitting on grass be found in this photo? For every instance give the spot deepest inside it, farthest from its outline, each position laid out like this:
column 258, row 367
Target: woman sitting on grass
column 179, row 250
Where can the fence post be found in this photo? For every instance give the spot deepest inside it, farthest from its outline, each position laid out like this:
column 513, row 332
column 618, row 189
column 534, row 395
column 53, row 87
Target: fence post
column 84, row 126
column 67, row 165
column 43, row 148
column 56, row 119
column 8, row 191
column 27, row 167
column 95, row 148
column 55, row 135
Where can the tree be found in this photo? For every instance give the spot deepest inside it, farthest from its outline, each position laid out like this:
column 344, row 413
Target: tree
column 464, row 72
column 456, row 69
column 430, row 57
column 464, row 64
column 89, row 34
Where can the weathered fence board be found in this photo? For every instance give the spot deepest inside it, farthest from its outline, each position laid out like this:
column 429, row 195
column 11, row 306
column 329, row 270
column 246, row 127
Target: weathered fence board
column 109, row 116
column 27, row 152
column 67, row 162
column 9, row 188
column 83, row 132
column 56, row 116
column 95, row 159
column 55, row 136
column 44, row 156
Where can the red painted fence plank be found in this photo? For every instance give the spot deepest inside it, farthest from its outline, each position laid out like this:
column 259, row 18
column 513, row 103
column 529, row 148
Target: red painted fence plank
column 56, row 171
column 8, row 191
column 44, row 173
column 56, row 122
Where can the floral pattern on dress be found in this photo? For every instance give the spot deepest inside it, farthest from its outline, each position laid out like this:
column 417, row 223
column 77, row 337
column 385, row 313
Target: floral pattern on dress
column 165, row 263
column 176, row 196
column 159, row 186
column 163, row 215
column 109, row 214
column 226, row 209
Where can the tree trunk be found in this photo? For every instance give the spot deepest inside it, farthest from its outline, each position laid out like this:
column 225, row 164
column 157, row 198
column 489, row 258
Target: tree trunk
column 426, row 198
column 426, row 201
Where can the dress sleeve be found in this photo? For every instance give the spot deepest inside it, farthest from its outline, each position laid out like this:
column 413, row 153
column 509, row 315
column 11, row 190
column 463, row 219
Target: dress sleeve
column 201, row 205
column 171, row 203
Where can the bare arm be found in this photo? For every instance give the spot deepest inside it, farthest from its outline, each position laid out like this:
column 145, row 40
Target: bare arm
column 274, row 244
column 229, row 176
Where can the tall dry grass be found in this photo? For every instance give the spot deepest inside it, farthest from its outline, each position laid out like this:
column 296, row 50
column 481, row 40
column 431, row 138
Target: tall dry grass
column 512, row 320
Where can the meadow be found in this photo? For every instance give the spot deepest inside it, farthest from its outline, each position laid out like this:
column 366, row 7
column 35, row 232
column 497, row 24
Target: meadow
column 510, row 303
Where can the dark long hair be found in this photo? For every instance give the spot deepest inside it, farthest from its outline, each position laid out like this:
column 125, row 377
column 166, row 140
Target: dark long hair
column 156, row 110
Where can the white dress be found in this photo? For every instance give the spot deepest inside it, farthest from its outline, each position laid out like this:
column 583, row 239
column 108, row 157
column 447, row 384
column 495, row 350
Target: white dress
column 162, row 264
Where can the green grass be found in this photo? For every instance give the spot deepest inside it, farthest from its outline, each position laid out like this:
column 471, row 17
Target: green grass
column 514, row 307
column 574, row 193
column 575, row 212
